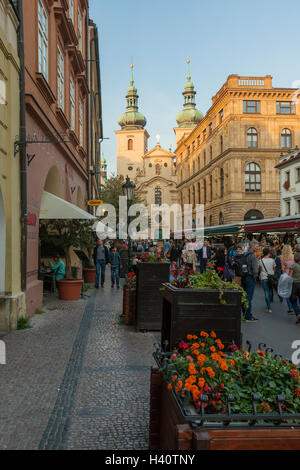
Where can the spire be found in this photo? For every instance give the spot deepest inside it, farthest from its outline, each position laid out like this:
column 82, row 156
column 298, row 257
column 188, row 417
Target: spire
column 189, row 116
column 132, row 119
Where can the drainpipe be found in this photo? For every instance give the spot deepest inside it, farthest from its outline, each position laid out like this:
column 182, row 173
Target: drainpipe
column 87, row 108
column 23, row 155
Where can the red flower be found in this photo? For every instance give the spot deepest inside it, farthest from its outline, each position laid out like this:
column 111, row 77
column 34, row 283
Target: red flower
column 183, row 345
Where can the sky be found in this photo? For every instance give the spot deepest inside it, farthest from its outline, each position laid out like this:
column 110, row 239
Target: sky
column 248, row 38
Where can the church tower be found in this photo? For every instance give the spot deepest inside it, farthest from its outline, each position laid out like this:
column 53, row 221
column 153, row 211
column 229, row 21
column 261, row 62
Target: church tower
column 189, row 117
column 132, row 139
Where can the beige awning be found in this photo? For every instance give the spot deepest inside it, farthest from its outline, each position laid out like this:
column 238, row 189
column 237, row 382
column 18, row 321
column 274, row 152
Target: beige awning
column 53, row 207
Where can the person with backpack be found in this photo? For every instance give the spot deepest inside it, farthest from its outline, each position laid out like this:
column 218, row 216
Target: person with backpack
column 237, row 265
column 267, row 267
column 249, row 269
column 295, row 296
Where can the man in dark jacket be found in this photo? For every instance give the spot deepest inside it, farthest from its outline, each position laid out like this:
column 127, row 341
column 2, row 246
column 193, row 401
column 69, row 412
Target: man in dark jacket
column 115, row 263
column 249, row 277
column 204, row 256
column 101, row 259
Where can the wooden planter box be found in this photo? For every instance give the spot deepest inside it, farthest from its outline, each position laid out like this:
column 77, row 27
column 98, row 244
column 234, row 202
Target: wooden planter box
column 150, row 277
column 189, row 311
column 129, row 305
column 169, row 430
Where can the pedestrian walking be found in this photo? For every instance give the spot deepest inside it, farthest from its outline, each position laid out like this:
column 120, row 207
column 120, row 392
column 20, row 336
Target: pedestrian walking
column 237, row 265
column 295, row 297
column 287, row 260
column 101, row 259
column 267, row 268
column 115, row 264
column 204, row 256
column 189, row 257
column 249, row 276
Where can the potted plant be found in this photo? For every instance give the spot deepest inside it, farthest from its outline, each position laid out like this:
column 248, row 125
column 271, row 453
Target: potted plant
column 65, row 235
column 193, row 302
column 88, row 241
column 203, row 397
column 152, row 272
column 129, row 299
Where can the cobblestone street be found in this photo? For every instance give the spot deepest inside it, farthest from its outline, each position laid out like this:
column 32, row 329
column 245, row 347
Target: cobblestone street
column 80, row 380
column 77, row 380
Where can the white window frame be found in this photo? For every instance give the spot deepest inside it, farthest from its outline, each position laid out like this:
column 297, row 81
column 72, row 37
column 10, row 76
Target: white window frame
column 42, row 39
column 81, row 134
column 60, row 79
column 72, row 103
column 79, row 29
column 71, row 10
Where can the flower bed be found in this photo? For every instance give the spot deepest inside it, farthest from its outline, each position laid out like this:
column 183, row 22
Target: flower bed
column 204, row 397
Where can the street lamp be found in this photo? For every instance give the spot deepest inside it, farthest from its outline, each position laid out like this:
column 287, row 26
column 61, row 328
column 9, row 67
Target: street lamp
column 128, row 190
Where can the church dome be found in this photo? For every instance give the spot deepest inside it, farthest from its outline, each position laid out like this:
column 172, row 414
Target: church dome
column 190, row 116
column 132, row 118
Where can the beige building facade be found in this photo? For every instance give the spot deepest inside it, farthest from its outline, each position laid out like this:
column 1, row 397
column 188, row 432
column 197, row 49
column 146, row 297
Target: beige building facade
column 12, row 299
column 227, row 160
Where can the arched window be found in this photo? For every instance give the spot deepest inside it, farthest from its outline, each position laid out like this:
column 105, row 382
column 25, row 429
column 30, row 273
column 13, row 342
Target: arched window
column 194, row 196
column 158, row 196
column 221, row 218
column 221, row 182
column 204, row 191
column 251, row 137
column 199, row 193
column 189, row 196
column 253, row 214
column 252, row 178
column 286, row 139
column 221, row 144
column 157, row 169
column 211, row 187
column 130, row 144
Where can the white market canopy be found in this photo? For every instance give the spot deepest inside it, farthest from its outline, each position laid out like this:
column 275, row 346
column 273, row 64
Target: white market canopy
column 53, row 207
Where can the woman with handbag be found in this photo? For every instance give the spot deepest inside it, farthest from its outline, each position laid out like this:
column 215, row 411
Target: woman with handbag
column 267, row 267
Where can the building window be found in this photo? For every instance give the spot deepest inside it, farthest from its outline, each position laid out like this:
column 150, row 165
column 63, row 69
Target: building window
column 204, row 191
column 211, row 187
column 71, row 10
column 286, row 139
column 43, row 39
column 221, row 144
column 222, row 182
column 158, row 196
column 253, row 214
column 251, row 107
column 198, row 141
column 251, row 137
column 81, row 123
column 298, row 207
column 210, row 128
column 221, row 115
column 287, row 208
column 130, row 144
column 210, row 152
column 157, row 169
column 285, row 107
column 79, row 30
column 204, row 134
column 72, row 104
column 204, row 157
column 189, row 196
column 199, row 193
column 194, row 196
column 252, row 178
column 60, row 79
column 210, row 220
column 297, row 175
column 193, row 146
column 199, row 162
column 221, row 218
column 188, row 151
column 194, row 169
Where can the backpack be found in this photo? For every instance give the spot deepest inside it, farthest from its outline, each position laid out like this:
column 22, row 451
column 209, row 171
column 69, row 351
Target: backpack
column 242, row 265
column 285, row 285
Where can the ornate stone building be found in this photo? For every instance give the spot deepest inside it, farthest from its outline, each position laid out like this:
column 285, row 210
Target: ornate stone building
column 226, row 160
column 153, row 172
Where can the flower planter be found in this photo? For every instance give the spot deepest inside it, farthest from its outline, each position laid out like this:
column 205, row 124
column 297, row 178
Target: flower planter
column 124, row 263
column 69, row 290
column 169, row 430
column 129, row 305
column 150, row 277
column 187, row 311
column 89, row 275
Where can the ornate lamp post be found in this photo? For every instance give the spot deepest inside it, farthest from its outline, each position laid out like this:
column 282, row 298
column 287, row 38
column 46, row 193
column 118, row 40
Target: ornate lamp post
column 128, row 190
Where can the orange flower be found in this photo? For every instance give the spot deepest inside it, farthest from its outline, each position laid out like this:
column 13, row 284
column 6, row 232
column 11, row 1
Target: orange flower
column 224, row 366
column 222, row 354
column 174, row 378
column 189, row 337
column 195, row 337
column 201, row 359
column 213, row 334
column 297, row 391
column 195, row 392
column 261, row 353
column 196, row 352
column 201, row 382
column 204, row 334
column 210, row 372
column 213, row 349
column 192, row 369
column 231, row 361
column 191, row 380
column 195, row 346
column 170, row 387
column 179, row 386
column 215, row 357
